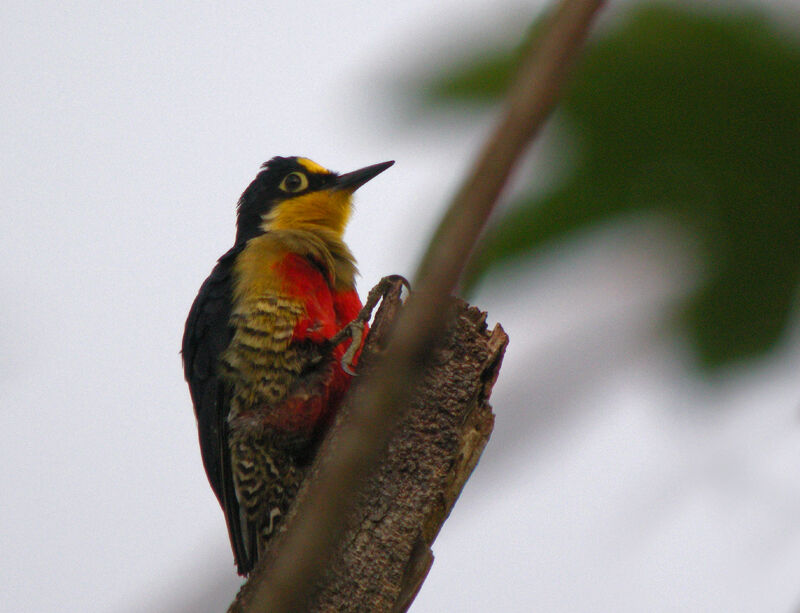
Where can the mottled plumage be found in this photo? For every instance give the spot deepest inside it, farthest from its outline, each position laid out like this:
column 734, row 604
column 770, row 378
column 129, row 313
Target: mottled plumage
column 263, row 378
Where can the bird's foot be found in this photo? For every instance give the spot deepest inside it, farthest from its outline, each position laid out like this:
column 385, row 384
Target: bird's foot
column 355, row 329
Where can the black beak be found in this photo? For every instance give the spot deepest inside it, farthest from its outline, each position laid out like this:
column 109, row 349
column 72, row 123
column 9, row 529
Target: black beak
column 353, row 180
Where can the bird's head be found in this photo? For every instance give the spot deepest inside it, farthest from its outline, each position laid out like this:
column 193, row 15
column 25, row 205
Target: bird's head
column 294, row 193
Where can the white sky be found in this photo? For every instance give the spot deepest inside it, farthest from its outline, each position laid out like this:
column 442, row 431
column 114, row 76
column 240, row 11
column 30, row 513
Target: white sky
column 613, row 481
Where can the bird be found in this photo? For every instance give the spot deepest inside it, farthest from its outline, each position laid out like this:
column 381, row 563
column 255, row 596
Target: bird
column 262, row 348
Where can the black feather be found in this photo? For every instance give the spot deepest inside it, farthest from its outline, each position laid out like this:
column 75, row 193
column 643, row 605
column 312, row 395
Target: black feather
column 207, row 334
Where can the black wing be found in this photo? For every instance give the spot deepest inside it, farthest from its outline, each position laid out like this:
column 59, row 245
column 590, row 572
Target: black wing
column 206, row 336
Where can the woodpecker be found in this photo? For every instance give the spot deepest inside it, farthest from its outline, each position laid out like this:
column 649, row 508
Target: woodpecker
column 264, row 375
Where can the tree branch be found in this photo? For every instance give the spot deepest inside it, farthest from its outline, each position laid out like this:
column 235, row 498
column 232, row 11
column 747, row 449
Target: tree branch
column 303, row 550
column 384, row 552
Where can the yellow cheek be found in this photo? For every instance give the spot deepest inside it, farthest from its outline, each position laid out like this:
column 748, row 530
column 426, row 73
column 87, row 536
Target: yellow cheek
column 328, row 208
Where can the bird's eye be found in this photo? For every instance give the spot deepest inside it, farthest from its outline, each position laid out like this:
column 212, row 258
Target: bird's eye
column 294, row 182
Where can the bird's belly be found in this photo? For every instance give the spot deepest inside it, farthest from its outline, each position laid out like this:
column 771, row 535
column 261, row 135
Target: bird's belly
column 276, row 381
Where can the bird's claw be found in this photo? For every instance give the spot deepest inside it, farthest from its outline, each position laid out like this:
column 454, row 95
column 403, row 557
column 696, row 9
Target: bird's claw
column 355, row 329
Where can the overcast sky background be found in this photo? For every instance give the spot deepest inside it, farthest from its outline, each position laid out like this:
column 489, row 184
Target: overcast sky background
column 614, row 480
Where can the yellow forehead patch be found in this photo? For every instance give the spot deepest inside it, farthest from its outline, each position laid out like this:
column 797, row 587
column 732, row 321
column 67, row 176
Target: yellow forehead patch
column 312, row 167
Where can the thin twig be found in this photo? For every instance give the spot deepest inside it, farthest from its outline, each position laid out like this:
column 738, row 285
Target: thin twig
column 302, row 554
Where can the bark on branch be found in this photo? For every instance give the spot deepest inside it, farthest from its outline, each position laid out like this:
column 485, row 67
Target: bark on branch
column 384, row 553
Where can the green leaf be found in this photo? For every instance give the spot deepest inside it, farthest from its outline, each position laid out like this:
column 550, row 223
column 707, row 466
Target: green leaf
column 685, row 114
